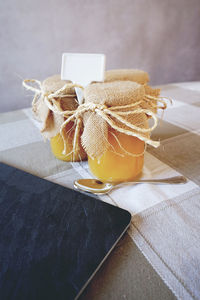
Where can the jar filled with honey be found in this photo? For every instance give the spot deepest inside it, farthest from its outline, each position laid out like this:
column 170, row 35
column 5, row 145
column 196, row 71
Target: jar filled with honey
column 116, row 130
column 56, row 97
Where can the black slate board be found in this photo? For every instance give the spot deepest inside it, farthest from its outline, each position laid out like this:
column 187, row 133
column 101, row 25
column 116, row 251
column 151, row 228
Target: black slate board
column 52, row 239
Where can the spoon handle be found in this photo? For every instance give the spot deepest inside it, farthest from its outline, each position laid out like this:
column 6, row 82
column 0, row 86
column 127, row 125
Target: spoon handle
column 172, row 180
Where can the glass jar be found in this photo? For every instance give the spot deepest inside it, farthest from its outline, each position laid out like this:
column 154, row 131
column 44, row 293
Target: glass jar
column 57, row 145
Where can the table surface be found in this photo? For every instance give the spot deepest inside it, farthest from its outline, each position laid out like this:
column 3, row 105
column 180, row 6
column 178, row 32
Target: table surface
column 159, row 258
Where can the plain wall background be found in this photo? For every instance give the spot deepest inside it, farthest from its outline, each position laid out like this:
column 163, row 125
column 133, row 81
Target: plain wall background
column 159, row 36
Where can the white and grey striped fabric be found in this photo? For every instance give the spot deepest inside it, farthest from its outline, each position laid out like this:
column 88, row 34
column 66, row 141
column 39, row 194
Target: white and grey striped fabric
column 166, row 218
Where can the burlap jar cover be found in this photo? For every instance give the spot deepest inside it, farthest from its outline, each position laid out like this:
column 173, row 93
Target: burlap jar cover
column 151, row 95
column 123, row 105
column 135, row 75
column 51, row 95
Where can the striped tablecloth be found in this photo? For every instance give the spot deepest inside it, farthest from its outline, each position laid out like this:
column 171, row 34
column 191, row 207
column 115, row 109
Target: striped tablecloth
column 165, row 230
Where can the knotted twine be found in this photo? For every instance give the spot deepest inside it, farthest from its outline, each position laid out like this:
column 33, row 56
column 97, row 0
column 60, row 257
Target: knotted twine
column 122, row 105
column 51, row 95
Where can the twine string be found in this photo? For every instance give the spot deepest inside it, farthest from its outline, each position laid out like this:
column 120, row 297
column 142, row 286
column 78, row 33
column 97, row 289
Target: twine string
column 137, row 111
column 40, row 91
column 103, row 111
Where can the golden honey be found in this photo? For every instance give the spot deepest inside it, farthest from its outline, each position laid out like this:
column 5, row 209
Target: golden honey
column 116, row 165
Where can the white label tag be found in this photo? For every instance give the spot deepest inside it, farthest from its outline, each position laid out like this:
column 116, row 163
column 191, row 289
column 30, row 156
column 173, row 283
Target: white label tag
column 83, row 68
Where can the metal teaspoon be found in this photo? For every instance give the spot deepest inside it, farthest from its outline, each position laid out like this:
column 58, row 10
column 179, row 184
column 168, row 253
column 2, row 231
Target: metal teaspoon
column 96, row 186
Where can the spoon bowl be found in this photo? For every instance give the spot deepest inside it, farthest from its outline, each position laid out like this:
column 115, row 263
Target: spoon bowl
column 96, row 186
